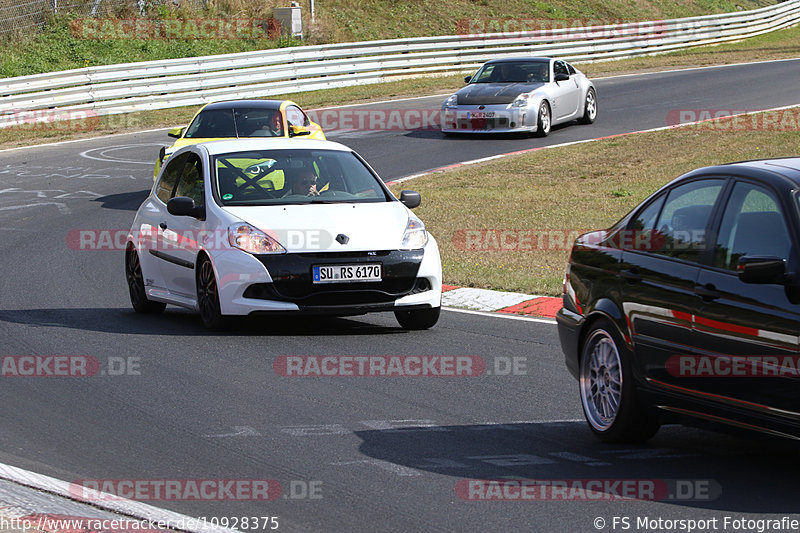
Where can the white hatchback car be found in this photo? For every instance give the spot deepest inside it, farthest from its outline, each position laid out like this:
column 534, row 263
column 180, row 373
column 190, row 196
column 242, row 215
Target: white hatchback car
column 291, row 227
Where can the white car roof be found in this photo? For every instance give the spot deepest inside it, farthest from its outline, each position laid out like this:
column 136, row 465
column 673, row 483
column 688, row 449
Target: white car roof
column 244, row 145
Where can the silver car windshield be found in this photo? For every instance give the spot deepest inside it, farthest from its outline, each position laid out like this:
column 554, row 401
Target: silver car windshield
column 513, row 72
column 271, row 177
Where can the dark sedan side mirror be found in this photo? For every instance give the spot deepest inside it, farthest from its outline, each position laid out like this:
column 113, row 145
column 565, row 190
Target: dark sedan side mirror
column 183, row 206
column 467, row 79
column 762, row 269
column 410, row 199
column 562, row 77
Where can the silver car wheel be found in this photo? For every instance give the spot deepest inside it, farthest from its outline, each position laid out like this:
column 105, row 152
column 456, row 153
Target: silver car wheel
column 601, row 380
column 544, row 120
column 591, row 105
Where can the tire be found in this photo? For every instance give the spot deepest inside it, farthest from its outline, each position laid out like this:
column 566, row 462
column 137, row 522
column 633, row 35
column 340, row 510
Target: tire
column 208, row 297
column 133, row 274
column 607, row 390
column 418, row 319
column 543, row 120
column 589, row 108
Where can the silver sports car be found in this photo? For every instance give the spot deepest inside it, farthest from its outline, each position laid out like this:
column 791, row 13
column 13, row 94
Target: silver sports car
column 520, row 94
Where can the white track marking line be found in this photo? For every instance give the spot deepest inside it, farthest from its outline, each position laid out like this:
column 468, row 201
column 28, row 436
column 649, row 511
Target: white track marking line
column 495, row 314
column 108, row 502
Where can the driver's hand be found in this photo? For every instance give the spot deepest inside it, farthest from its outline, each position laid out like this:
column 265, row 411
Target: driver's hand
column 312, row 191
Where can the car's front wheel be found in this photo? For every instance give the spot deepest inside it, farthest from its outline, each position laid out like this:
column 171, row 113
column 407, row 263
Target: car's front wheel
column 133, row 274
column 608, row 393
column 543, row 120
column 417, row 319
column 208, row 296
column 589, row 108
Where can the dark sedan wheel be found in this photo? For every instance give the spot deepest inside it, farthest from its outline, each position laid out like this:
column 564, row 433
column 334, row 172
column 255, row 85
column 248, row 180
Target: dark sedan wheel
column 543, row 120
column 133, row 273
column 589, row 108
column 208, row 296
column 418, row 318
column 608, row 393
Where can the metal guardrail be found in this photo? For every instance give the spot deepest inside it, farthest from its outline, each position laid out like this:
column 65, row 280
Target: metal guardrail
column 124, row 88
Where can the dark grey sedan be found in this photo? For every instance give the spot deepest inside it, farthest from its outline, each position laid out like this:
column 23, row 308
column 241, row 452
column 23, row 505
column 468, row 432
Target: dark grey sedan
column 529, row 94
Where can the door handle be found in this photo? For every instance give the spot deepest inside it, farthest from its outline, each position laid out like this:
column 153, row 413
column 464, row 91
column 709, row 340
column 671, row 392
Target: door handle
column 631, row 275
column 163, row 225
column 707, row 292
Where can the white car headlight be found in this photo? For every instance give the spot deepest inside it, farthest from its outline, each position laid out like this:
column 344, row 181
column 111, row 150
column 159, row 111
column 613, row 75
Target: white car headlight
column 252, row 240
column 521, row 100
column 415, row 236
column 452, row 102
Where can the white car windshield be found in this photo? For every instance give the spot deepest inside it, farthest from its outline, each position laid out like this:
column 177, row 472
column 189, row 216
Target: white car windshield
column 270, row 177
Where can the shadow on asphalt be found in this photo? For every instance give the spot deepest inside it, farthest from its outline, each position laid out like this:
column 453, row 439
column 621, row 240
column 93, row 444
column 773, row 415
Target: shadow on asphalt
column 181, row 322
column 126, row 201
column 738, row 472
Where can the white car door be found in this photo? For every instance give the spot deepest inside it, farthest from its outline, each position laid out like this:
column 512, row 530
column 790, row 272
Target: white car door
column 180, row 234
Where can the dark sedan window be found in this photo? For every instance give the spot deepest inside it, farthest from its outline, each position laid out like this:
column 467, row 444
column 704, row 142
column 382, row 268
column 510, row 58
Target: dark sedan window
column 684, row 218
column 643, row 234
column 752, row 225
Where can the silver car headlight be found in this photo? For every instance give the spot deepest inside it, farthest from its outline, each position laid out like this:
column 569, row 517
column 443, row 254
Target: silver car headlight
column 521, row 100
column 252, row 240
column 452, row 102
column 415, row 236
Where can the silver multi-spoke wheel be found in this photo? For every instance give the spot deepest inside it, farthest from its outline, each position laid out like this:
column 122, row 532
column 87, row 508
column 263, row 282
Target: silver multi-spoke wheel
column 543, row 120
column 609, row 395
column 601, row 380
column 590, row 111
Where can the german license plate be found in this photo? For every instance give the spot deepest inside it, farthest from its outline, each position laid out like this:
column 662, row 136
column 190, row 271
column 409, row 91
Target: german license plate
column 346, row 273
column 481, row 114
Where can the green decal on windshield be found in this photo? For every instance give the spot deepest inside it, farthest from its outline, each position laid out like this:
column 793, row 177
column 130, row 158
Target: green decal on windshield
column 227, row 196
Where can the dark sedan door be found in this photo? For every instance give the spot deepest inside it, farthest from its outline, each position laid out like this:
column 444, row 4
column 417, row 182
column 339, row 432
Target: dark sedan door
column 659, row 272
column 746, row 319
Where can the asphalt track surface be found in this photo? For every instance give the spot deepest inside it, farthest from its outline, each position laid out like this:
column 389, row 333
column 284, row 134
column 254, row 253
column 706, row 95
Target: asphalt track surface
column 381, row 454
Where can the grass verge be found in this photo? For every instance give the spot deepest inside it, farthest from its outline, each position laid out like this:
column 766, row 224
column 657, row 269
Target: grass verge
column 593, row 185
